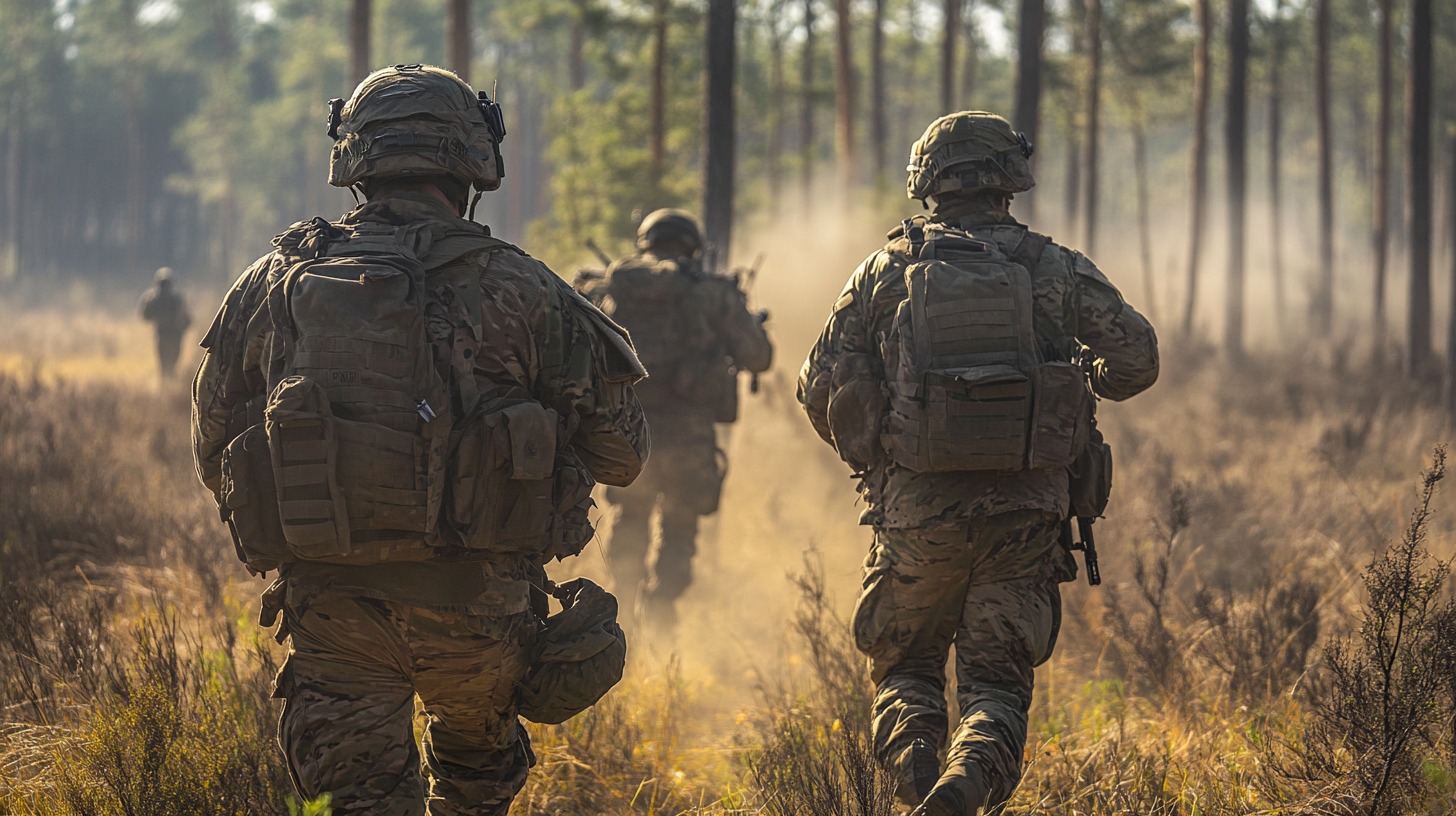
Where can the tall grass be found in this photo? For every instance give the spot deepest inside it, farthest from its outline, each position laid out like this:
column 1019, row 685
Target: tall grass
column 1239, row 660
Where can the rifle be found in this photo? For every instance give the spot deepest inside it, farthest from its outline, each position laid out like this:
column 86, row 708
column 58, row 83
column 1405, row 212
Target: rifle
column 1089, row 486
column 1088, row 545
column 591, row 244
column 750, row 275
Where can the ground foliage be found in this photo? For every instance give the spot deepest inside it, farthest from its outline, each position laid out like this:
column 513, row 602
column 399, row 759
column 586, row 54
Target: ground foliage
column 1271, row 639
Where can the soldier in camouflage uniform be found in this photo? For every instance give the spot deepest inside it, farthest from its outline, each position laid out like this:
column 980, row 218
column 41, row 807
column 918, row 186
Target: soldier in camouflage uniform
column 695, row 333
column 164, row 307
column 444, row 624
column 966, row 558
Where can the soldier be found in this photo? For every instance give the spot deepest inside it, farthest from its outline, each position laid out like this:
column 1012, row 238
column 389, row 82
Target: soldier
column 164, row 308
column 949, row 377
column 695, row 333
column 405, row 416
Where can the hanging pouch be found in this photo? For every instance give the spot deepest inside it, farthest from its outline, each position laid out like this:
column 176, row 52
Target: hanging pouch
column 1061, row 417
column 249, row 501
column 304, row 448
column 502, row 485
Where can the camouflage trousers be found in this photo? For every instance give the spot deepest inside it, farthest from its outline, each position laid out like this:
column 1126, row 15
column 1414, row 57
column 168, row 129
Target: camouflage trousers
column 682, row 481
column 354, row 669
column 992, row 591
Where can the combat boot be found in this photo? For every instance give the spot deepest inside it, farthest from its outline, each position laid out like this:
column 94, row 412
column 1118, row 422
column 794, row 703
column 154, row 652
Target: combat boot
column 955, row 796
column 916, row 771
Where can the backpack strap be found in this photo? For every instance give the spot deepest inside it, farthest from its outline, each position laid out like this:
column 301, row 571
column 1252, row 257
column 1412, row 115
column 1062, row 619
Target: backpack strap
column 1029, row 250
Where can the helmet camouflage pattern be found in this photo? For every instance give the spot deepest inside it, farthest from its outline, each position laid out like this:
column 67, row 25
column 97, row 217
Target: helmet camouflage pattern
column 416, row 120
column 669, row 225
column 970, row 150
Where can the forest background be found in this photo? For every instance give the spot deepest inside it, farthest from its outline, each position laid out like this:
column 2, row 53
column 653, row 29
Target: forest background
column 142, row 133
column 1277, row 633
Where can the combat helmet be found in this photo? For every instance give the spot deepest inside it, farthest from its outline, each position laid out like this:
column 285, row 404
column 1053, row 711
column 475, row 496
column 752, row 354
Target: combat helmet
column 667, row 225
column 416, row 120
column 579, row 656
column 970, row 150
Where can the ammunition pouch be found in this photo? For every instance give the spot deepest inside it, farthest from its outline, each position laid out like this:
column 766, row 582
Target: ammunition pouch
column 248, row 501
column 857, row 405
column 1091, row 477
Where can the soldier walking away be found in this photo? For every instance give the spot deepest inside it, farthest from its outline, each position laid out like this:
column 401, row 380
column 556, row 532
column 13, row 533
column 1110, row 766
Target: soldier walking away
column 405, row 416
column 695, row 334
column 956, row 376
column 164, row 307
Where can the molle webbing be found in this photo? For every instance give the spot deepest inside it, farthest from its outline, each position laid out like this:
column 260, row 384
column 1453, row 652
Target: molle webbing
column 968, row 388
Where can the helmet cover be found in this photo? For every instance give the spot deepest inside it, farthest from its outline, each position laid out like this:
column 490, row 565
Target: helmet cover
column 666, row 225
column 416, row 120
column 970, row 150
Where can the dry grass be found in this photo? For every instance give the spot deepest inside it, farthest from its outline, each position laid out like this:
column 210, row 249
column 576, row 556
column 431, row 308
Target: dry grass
column 1248, row 505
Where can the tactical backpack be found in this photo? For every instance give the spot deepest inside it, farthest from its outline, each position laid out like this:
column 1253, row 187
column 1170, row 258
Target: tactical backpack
column 664, row 307
column 969, row 386
column 379, row 443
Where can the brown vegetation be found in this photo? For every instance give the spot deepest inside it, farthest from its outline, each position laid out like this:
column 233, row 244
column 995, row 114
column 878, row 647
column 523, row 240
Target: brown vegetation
column 1238, row 660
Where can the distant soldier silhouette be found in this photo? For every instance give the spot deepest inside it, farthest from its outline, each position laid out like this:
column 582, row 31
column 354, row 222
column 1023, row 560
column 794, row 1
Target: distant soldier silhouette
column 694, row 333
column 164, row 307
column 956, row 377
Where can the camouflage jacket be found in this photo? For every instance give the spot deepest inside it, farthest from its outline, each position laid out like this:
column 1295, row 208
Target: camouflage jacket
column 1082, row 304
column 539, row 335
column 693, row 330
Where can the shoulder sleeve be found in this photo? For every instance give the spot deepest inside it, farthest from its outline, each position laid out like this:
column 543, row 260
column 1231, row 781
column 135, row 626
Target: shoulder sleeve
column 744, row 331
column 588, row 367
column 846, row 341
column 230, row 374
column 1123, row 343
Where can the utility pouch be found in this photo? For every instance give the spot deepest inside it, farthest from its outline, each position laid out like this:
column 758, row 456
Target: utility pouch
column 1091, row 477
column 725, row 399
column 502, row 482
column 304, row 447
column 249, row 501
column 571, row 526
column 1061, row 416
column 857, row 405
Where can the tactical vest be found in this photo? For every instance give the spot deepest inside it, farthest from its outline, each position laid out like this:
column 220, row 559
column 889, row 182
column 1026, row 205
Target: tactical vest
column 970, row 388
column 382, row 445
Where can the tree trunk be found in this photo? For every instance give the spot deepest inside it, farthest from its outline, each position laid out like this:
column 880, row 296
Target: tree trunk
column 952, row 11
column 777, row 112
column 1031, row 31
column 806, row 111
column 1144, row 204
column 359, row 40
column 878, row 136
column 136, row 170
column 1236, row 128
column 1381, row 204
column 460, row 38
column 578, row 47
column 1276, row 128
column 15, row 163
column 1451, row 328
column 1419, row 109
column 718, row 162
column 1198, row 192
column 1322, row 319
column 844, row 98
column 657, row 136
column 1094, row 119
column 968, row 65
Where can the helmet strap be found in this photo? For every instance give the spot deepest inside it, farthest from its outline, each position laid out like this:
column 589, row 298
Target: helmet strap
column 470, row 214
column 357, row 190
